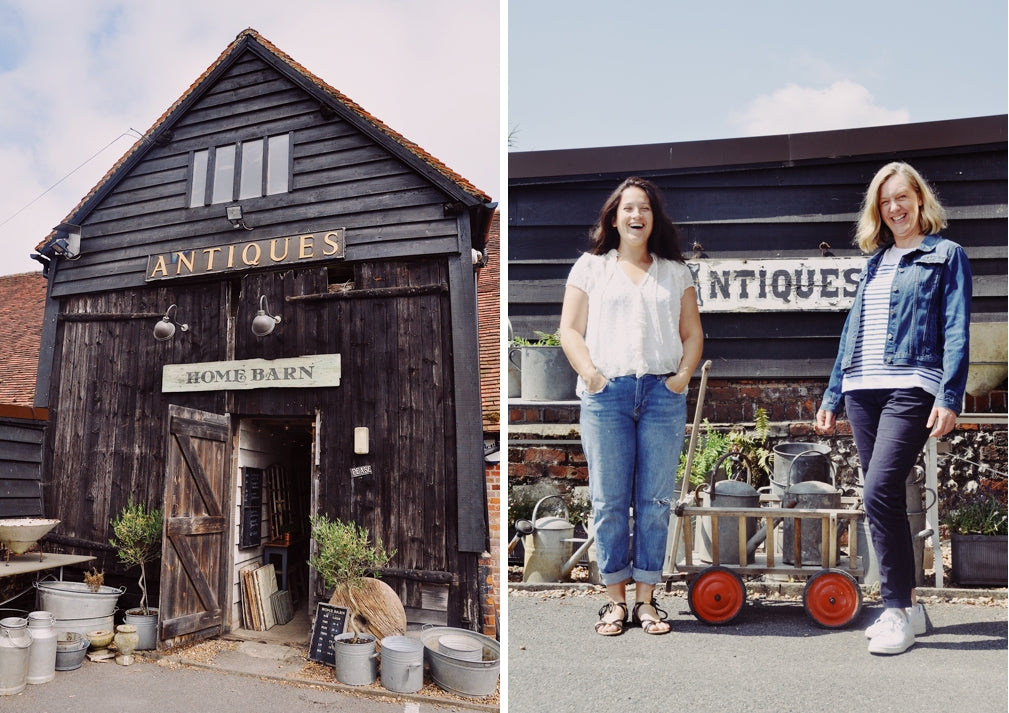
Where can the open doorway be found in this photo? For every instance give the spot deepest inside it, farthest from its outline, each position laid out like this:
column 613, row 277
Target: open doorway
column 273, row 503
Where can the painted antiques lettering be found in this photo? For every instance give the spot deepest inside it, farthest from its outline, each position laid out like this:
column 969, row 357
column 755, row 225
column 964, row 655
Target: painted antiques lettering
column 270, row 252
column 783, row 285
column 298, row 372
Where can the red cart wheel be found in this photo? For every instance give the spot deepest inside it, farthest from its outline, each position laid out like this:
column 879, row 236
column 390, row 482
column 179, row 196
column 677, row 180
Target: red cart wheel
column 716, row 596
column 832, row 598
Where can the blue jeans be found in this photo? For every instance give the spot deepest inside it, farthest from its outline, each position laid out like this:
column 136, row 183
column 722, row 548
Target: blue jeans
column 632, row 435
column 889, row 431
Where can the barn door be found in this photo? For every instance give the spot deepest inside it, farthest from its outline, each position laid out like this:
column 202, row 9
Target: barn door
column 194, row 559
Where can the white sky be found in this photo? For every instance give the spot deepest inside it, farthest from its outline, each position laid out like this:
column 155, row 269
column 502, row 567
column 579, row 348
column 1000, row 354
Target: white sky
column 589, row 73
column 77, row 75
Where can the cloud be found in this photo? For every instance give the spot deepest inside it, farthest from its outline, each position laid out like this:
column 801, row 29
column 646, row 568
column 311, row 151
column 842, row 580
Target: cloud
column 83, row 72
column 793, row 109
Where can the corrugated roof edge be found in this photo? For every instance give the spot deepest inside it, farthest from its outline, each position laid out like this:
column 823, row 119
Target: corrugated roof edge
column 252, row 35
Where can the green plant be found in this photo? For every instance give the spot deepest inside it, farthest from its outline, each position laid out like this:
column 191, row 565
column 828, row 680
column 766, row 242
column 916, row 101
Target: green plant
column 749, row 447
column 544, row 340
column 980, row 514
column 137, row 534
column 345, row 556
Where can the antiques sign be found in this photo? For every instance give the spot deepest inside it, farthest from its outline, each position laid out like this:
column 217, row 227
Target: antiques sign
column 266, row 253
column 776, row 285
column 298, row 372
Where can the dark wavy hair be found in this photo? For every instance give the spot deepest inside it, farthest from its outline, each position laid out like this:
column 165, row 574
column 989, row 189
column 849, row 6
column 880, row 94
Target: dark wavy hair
column 665, row 238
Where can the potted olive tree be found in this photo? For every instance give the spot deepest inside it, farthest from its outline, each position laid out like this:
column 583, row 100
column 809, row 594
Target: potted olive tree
column 979, row 530
column 348, row 562
column 137, row 534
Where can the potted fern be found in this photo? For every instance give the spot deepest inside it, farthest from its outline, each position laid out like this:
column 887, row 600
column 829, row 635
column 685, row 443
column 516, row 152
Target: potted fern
column 137, row 532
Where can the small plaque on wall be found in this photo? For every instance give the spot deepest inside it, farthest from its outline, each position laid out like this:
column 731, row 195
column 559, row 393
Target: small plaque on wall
column 330, row 622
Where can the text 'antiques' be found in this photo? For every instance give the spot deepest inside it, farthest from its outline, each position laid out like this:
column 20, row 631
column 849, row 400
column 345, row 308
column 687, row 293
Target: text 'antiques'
column 267, row 253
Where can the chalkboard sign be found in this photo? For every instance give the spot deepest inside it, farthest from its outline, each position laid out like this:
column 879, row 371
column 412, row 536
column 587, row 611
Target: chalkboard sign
column 252, row 508
column 330, row 621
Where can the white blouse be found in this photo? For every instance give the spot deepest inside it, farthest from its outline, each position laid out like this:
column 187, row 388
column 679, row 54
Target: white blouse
column 632, row 329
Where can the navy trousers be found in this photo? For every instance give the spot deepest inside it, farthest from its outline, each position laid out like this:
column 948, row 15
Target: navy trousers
column 889, row 430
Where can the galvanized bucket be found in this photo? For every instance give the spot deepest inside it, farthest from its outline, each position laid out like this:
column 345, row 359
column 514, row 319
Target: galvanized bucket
column 356, row 664
column 402, row 664
column 798, row 463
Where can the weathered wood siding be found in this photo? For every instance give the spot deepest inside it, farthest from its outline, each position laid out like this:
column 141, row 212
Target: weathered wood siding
column 758, row 198
column 21, row 468
column 406, row 331
column 338, row 174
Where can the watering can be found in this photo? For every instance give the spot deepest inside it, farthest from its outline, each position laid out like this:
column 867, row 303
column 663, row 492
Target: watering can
column 548, row 556
column 721, row 494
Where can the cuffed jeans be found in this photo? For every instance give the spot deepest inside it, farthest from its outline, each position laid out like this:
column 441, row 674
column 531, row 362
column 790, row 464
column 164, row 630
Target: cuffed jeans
column 632, row 436
column 889, row 431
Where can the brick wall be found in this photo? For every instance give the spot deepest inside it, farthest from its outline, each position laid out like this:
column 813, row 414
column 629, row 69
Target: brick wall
column 490, row 570
column 544, row 448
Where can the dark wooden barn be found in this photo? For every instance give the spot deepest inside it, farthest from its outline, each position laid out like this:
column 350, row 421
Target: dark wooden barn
column 768, row 223
column 265, row 192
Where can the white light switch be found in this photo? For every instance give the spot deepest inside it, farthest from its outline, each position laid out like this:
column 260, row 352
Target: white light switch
column 361, row 440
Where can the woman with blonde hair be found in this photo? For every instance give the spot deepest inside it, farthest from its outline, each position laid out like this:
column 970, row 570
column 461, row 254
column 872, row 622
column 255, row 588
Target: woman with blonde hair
column 901, row 371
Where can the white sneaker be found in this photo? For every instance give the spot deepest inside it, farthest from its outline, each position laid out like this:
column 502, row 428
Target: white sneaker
column 919, row 624
column 897, row 635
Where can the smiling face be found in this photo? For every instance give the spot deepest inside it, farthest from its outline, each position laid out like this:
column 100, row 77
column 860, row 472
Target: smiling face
column 899, row 208
column 634, row 219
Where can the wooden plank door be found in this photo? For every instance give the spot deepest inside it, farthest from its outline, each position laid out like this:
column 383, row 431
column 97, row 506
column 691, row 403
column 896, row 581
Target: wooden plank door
column 194, row 578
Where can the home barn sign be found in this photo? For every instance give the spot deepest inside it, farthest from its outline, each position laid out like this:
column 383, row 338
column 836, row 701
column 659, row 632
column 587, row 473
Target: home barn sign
column 233, row 257
column 776, row 284
column 298, row 372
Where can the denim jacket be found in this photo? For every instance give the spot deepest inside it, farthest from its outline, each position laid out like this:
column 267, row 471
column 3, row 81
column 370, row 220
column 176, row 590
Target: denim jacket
column 929, row 322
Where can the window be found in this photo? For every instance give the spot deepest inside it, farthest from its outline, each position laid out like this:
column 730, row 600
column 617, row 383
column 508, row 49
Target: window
column 261, row 165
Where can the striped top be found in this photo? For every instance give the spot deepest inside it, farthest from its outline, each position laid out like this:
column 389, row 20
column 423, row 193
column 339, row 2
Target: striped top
column 868, row 369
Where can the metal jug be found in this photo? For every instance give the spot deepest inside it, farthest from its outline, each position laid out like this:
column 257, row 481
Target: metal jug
column 808, row 495
column 726, row 494
column 548, row 556
column 15, row 642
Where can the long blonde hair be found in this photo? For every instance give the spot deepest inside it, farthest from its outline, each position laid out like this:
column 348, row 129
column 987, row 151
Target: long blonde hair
column 871, row 232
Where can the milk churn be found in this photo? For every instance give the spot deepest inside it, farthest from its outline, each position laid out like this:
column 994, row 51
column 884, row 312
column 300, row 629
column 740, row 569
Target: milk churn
column 42, row 655
column 15, row 642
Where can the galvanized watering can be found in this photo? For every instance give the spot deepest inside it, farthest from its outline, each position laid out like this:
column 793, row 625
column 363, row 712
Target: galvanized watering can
column 721, row 494
column 548, row 556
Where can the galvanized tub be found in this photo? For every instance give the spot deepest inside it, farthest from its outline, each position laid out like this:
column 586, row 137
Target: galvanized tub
column 467, row 678
column 75, row 607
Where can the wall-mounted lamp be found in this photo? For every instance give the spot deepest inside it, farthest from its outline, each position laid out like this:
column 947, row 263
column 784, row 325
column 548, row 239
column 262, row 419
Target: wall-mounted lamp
column 70, row 246
column 165, row 328
column 235, row 216
column 264, row 322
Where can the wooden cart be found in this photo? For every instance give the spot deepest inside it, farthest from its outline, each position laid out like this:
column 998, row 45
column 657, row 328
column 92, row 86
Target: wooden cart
column 716, row 593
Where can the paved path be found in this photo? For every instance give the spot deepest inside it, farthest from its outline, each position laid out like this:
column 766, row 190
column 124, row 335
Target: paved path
column 771, row 659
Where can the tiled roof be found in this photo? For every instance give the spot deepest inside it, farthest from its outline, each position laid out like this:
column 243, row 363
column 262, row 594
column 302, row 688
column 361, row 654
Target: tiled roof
column 488, row 297
column 22, row 308
column 340, row 97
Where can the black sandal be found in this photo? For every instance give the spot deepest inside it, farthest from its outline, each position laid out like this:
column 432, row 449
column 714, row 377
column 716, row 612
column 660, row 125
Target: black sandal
column 620, row 623
column 649, row 625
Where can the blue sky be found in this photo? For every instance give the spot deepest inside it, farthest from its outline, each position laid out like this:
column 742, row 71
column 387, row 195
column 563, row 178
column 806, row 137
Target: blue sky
column 77, row 75
column 585, row 73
